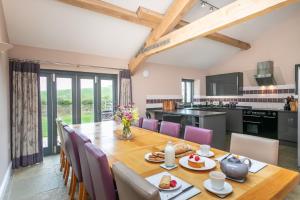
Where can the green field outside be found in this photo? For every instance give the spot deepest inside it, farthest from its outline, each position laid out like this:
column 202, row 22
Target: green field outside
column 64, row 103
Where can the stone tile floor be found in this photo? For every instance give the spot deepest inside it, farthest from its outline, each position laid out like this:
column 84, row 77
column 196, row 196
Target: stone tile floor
column 44, row 181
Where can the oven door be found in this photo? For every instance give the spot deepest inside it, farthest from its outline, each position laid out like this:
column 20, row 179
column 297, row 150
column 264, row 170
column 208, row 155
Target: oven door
column 252, row 126
column 269, row 129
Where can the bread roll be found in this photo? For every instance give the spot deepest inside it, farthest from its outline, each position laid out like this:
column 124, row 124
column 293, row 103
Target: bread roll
column 182, row 148
column 165, row 182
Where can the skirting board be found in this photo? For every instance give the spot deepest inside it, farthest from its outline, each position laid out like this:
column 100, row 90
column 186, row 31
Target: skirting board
column 5, row 182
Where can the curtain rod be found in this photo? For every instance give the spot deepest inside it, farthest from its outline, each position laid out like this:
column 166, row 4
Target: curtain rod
column 63, row 63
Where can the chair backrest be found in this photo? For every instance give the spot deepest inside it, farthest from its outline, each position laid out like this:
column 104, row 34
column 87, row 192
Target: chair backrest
column 170, row 128
column 59, row 126
column 198, row 135
column 172, row 118
column 80, row 141
column 131, row 186
column 150, row 124
column 258, row 148
column 141, row 119
column 72, row 149
column 101, row 174
column 139, row 123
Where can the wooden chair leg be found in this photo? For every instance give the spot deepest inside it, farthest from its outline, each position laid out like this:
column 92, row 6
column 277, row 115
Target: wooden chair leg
column 85, row 195
column 63, row 160
column 73, row 189
column 65, row 169
column 67, row 174
column 72, row 182
column 81, row 190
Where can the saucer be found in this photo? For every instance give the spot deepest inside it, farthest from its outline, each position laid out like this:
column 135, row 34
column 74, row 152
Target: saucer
column 225, row 191
column 210, row 154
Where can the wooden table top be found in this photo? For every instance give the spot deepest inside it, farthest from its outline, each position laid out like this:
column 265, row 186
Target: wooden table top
column 272, row 182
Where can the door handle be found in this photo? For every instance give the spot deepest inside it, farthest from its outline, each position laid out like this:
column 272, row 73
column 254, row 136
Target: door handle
column 269, row 117
column 252, row 122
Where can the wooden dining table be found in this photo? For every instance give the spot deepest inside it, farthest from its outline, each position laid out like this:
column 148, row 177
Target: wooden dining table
column 272, row 182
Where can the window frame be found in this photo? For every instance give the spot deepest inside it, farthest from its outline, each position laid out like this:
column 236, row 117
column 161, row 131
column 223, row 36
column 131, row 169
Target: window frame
column 184, row 96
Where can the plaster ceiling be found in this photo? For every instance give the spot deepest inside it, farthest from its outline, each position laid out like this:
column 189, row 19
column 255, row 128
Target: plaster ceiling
column 55, row 25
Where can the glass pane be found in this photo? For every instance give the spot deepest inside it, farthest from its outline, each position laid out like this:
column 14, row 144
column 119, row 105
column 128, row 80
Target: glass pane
column 188, row 92
column 64, row 99
column 106, row 100
column 183, row 91
column 87, row 100
column 44, row 102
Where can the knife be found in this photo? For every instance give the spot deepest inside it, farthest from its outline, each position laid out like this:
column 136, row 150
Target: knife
column 183, row 191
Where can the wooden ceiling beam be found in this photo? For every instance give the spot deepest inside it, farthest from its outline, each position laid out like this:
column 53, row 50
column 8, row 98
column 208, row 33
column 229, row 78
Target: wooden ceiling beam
column 175, row 12
column 155, row 17
column 235, row 13
column 110, row 10
column 144, row 17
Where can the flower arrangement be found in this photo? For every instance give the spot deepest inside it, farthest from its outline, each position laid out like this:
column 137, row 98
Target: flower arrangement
column 126, row 115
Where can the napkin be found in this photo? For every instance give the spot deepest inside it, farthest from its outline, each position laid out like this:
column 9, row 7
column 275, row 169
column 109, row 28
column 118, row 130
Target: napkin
column 166, row 195
column 255, row 167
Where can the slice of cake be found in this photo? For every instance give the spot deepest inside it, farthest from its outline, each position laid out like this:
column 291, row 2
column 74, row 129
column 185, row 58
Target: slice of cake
column 195, row 161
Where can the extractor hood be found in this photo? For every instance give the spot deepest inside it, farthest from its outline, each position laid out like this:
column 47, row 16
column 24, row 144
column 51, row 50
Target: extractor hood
column 264, row 74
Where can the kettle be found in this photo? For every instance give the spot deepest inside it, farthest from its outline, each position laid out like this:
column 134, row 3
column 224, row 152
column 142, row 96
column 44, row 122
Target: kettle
column 235, row 168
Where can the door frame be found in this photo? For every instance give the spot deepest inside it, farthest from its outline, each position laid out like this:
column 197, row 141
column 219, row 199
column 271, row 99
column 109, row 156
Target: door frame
column 52, row 76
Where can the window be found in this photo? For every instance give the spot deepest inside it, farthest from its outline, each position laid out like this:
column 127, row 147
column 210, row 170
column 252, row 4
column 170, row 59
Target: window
column 187, row 90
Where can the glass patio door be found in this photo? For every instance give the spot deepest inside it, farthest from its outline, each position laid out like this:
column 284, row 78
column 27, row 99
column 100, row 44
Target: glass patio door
column 86, row 98
column 107, row 98
column 74, row 98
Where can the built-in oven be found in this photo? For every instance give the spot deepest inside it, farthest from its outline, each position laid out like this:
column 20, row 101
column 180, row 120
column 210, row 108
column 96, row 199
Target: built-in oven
column 260, row 123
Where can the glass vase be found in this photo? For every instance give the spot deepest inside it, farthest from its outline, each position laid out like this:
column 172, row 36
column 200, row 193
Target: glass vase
column 126, row 134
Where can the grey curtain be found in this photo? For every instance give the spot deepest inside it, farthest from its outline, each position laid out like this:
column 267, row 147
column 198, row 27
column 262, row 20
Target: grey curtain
column 125, row 90
column 26, row 134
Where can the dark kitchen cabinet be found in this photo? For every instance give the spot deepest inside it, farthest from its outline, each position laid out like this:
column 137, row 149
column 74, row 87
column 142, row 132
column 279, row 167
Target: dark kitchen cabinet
column 287, row 126
column 224, row 84
column 234, row 119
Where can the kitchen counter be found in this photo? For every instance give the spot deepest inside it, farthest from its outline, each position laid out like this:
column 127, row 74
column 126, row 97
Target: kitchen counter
column 215, row 121
column 190, row 112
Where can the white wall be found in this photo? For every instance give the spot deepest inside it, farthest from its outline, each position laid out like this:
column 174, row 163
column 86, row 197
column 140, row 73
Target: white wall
column 4, row 104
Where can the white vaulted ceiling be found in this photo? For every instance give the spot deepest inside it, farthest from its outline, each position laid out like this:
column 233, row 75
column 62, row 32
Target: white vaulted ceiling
column 55, row 25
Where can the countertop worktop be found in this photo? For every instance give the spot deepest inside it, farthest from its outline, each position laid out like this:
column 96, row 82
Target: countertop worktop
column 190, row 112
column 204, row 108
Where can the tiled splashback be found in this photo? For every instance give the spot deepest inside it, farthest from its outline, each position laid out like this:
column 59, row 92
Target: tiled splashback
column 257, row 97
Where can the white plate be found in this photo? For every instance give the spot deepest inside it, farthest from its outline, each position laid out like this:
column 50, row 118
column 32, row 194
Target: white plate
column 209, row 163
column 178, row 185
column 225, row 191
column 147, row 158
column 210, row 154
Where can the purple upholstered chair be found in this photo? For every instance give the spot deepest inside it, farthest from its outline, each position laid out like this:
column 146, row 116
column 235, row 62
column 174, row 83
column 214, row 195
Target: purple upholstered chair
column 170, row 128
column 80, row 140
column 72, row 149
column 139, row 123
column 141, row 119
column 198, row 135
column 101, row 174
column 150, row 124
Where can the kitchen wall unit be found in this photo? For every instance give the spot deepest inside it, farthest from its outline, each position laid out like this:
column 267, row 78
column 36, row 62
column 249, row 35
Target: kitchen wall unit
column 287, row 126
column 224, row 84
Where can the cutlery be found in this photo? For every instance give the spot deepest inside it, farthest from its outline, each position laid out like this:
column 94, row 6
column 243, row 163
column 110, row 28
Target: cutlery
column 183, row 191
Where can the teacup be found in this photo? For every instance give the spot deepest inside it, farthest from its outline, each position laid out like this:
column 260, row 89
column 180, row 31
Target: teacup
column 204, row 149
column 217, row 180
